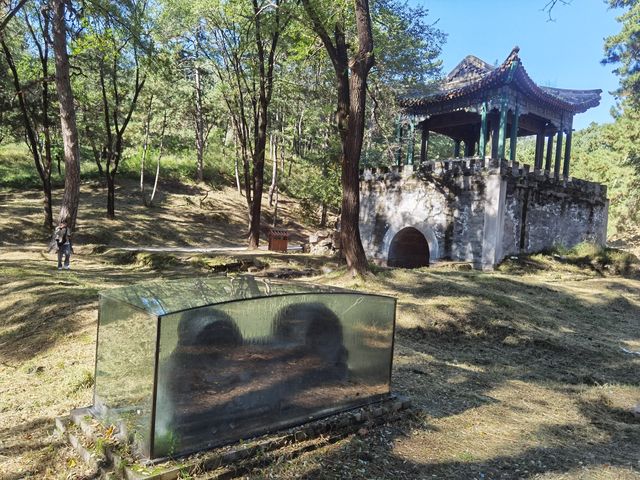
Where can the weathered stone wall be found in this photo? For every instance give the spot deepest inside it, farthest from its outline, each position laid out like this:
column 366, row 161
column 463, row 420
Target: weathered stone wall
column 446, row 205
column 471, row 211
column 541, row 212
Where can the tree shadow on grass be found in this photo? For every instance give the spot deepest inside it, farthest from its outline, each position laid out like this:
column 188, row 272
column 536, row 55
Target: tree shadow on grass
column 476, row 334
column 45, row 305
column 515, row 330
column 375, row 456
column 604, row 437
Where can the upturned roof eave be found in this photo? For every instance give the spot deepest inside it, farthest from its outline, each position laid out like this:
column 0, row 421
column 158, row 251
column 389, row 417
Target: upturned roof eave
column 501, row 76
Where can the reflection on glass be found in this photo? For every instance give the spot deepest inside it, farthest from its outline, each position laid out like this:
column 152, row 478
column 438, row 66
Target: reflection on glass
column 237, row 357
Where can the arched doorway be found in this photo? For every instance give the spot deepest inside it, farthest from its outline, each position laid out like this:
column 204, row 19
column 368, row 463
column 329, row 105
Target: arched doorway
column 408, row 249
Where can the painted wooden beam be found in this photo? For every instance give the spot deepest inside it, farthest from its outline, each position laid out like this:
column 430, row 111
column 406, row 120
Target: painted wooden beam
column 567, row 154
column 399, row 141
column 547, row 163
column 411, row 145
column 556, row 168
column 424, row 142
column 482, row 141
column 539, row 151
column 514, row 135
column 502, row 132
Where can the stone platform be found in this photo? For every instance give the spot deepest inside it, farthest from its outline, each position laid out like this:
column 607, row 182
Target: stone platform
column 476, row 210
column 109, row 455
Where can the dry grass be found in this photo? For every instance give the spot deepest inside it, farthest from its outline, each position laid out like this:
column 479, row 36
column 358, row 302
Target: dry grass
column 513, row 374
column 183, row 215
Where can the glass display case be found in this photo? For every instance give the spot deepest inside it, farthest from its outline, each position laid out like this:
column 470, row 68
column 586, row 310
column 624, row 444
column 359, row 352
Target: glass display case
column 185, row 365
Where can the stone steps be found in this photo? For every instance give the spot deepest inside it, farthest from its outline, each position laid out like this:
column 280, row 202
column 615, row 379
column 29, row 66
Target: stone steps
column 106, row 457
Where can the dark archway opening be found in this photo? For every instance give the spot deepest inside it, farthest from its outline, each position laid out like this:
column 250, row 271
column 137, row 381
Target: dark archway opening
column 408, row 249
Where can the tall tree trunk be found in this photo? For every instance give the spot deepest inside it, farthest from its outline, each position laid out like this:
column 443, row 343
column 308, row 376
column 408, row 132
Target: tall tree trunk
column 324, row 210
column 46, row 125
column 258, row 176
column 111, row 194
column 298, row 135
column 266, row 62
column 145, row 148
column 274, row 170
column 199, row 126
column 235, row 163
column 275, row 208
column 350, row 219
column 114, row 141
column 160, row 152
column 352, row 144
column 246, row 173
column 351, row 77
column 68, row 128
column 32, row 141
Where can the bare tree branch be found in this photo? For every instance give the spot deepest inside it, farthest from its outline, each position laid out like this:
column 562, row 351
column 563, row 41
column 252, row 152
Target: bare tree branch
column 550, row 5
column 11, row 14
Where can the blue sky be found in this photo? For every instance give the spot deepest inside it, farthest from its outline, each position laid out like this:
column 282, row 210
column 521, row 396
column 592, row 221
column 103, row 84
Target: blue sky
column 563, row 53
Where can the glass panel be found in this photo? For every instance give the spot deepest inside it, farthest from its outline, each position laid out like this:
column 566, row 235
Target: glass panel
column 235, row 370
column 171, row 296
column 125, row 362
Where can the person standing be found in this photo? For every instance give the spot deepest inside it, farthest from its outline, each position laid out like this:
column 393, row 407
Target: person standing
column 62, row 239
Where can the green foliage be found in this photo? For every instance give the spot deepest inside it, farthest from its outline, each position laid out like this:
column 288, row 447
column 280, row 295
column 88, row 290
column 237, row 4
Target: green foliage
column 16, row 167
column 84, row 382
column 316, row 182
column 598, row 155
column 406, row 48
column 169, row 40
column 180, row 165
column 605, row 154
column 624, row 134
column 623, row 49
column 601, row 259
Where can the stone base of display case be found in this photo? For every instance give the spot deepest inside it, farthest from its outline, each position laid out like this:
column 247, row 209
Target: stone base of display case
column 108, row 454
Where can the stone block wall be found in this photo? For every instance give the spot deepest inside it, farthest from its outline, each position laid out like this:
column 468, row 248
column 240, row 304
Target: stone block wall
column 479, row 212
column 446, row 203
column 542, row 212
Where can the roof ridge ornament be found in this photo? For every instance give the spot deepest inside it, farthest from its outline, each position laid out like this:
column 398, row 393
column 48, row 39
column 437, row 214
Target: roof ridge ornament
column 513, row 56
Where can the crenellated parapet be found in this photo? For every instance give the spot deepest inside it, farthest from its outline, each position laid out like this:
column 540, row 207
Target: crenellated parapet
column 522, row 175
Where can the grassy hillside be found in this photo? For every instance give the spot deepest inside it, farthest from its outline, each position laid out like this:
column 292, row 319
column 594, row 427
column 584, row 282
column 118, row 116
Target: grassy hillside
column 184, row 213
column 519, row 373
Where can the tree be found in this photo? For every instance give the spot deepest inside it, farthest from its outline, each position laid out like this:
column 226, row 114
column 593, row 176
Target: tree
column 351, row 86
column 35, row 108
column 407, row 63
column 68, row 127
column 600, row 153
column 116, row 114
column 10, row 123
column 13, row 10
column 243, row 39
column 623, row 49
column 111, row 49
column 183, row 32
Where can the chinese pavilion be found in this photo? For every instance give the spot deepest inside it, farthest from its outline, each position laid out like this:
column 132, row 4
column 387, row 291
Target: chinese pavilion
column 484, row 107
column 480, row 205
